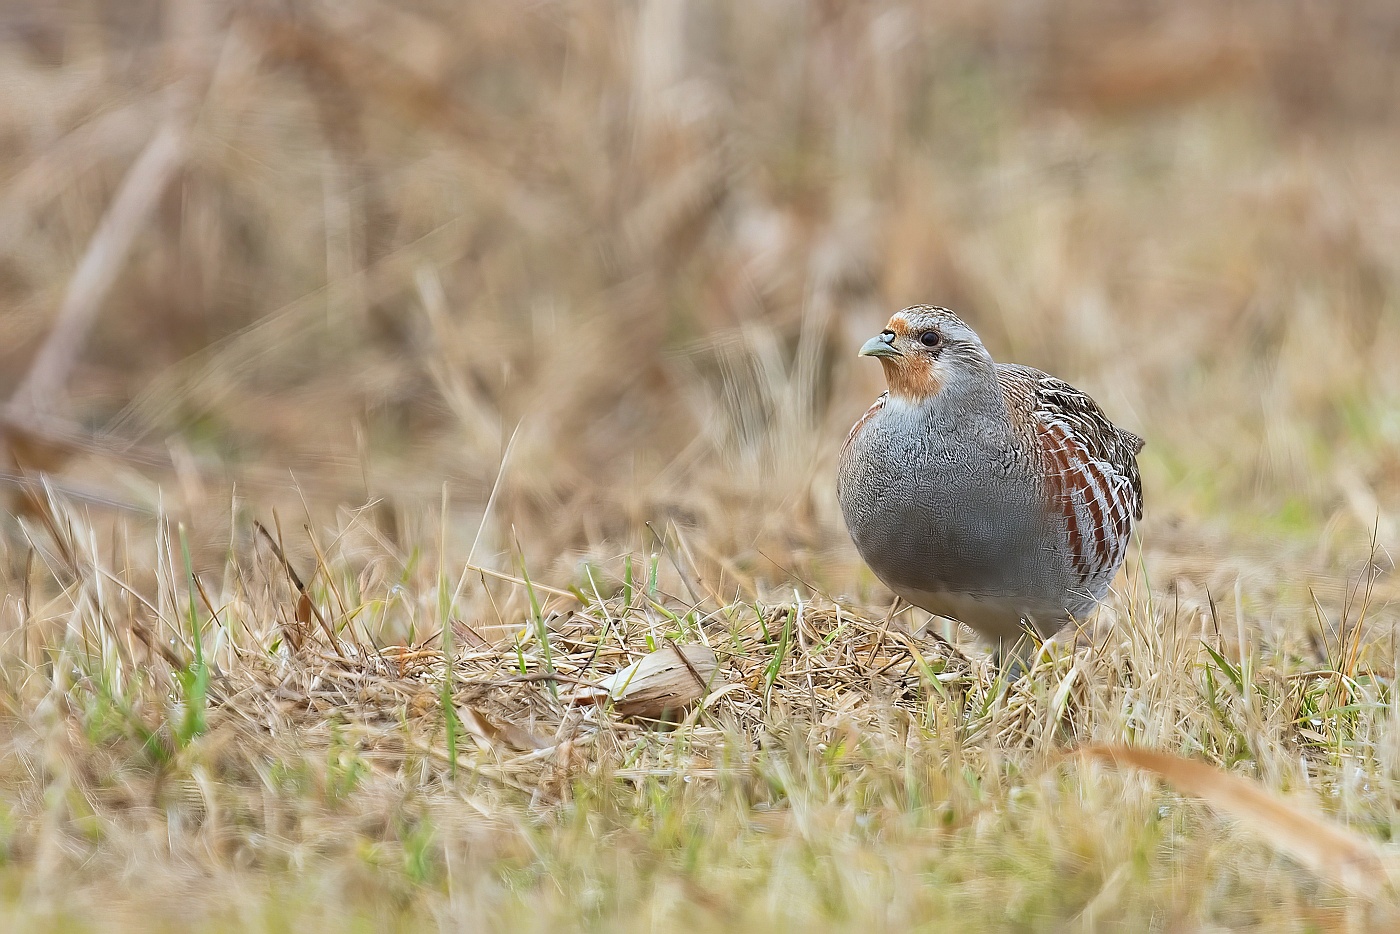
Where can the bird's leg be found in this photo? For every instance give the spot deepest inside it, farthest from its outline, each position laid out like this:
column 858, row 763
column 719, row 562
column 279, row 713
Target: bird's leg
column 1015, row 657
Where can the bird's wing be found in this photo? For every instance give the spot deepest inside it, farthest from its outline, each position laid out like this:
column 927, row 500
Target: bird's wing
column 1090, row 467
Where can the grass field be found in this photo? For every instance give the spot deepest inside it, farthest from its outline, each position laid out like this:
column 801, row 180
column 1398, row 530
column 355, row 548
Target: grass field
column 401, row 371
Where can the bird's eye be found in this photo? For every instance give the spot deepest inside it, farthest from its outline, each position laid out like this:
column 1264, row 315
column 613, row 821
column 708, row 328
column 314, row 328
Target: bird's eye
column 929, row 338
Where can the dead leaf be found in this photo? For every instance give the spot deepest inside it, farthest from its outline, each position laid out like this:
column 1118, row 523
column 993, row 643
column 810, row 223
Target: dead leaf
column 658, row 684
column 423, row 702
column 500, row 737
column 1330, row 850
column 467, row 636
column 304, row 609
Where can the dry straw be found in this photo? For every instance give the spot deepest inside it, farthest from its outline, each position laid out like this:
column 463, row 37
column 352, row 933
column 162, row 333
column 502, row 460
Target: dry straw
column 604, row 265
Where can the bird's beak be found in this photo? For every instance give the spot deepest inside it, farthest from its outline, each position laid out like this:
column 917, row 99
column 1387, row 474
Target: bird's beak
column 878, row 346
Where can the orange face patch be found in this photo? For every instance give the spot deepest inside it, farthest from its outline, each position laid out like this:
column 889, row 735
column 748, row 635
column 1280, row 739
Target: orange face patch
column 912, row 375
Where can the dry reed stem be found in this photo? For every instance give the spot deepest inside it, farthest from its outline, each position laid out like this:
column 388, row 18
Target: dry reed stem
column 102, row 260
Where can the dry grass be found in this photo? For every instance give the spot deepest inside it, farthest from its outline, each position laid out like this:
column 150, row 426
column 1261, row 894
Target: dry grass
column 527, row 334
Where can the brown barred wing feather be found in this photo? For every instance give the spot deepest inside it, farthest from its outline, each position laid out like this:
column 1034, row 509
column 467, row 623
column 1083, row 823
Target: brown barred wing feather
column 1090, row 472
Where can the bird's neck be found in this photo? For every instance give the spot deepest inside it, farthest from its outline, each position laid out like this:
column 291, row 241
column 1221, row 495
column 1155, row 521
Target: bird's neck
column 958, row 405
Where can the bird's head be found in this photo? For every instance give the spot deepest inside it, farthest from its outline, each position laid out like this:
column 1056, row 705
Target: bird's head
column 926, row 350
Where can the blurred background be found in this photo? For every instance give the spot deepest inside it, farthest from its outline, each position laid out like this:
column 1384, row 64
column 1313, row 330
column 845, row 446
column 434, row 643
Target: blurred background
column 326, row 257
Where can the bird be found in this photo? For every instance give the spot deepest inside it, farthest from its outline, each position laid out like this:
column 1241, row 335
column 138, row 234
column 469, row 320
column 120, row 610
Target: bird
column 990, row 493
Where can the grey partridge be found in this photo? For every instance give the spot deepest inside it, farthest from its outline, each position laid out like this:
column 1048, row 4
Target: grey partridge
column 989, row 493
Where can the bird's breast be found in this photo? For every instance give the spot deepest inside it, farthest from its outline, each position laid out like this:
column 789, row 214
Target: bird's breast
column 940, row 511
